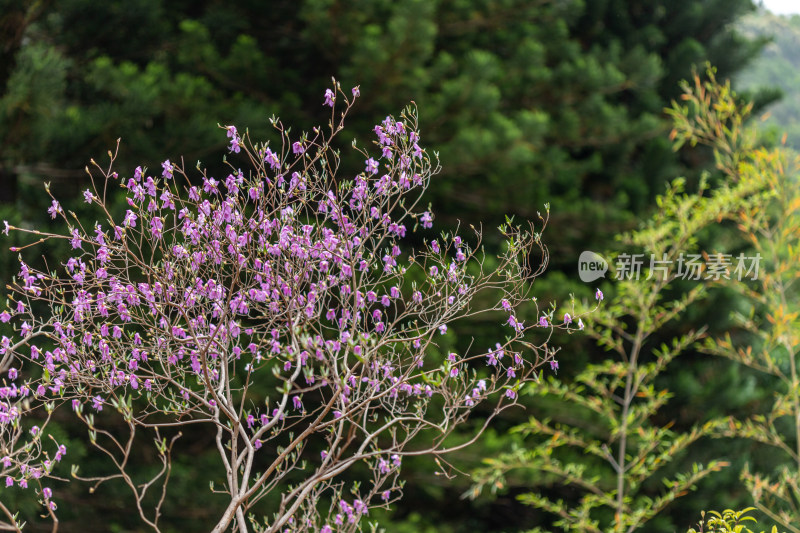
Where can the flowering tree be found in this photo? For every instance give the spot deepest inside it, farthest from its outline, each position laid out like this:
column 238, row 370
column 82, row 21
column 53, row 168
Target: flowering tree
column 276, row 307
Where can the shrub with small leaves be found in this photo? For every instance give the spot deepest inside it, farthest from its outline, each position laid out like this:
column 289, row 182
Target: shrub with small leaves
column 729, row 521
column 767, row 333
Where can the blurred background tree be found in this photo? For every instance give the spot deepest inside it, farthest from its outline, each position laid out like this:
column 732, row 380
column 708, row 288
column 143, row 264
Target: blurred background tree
column 776, row 68
column 527, row 102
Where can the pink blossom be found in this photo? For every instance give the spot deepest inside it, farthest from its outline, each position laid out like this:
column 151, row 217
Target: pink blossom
column 426, row 219
column 330, row 97
column 54, row 209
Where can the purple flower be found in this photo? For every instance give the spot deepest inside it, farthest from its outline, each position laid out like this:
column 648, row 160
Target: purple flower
column 372, row 166
column 47, row 493
column 543, row 321
column 4, row 316
column 599, row 295
column 130, row 219
column 12, row 373
column 426, row 219
column 330, row 98
column 567, row 319
column 272, row 158
column 298, row 148
column 97, row 403
column 75, row 241
column 9, row 481
column 168, row 169
column 580, row 324
column 54, row 209
column 554, row 365
column 88, row 196
column 298, row 404
column 236, row 141
column 443, row 329
column 356, row 91
column 156, row 227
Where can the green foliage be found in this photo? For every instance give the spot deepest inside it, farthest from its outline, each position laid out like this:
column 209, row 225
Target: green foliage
column 729, row 521
column 524, row 109
column 768, row 334
column 614, row 406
